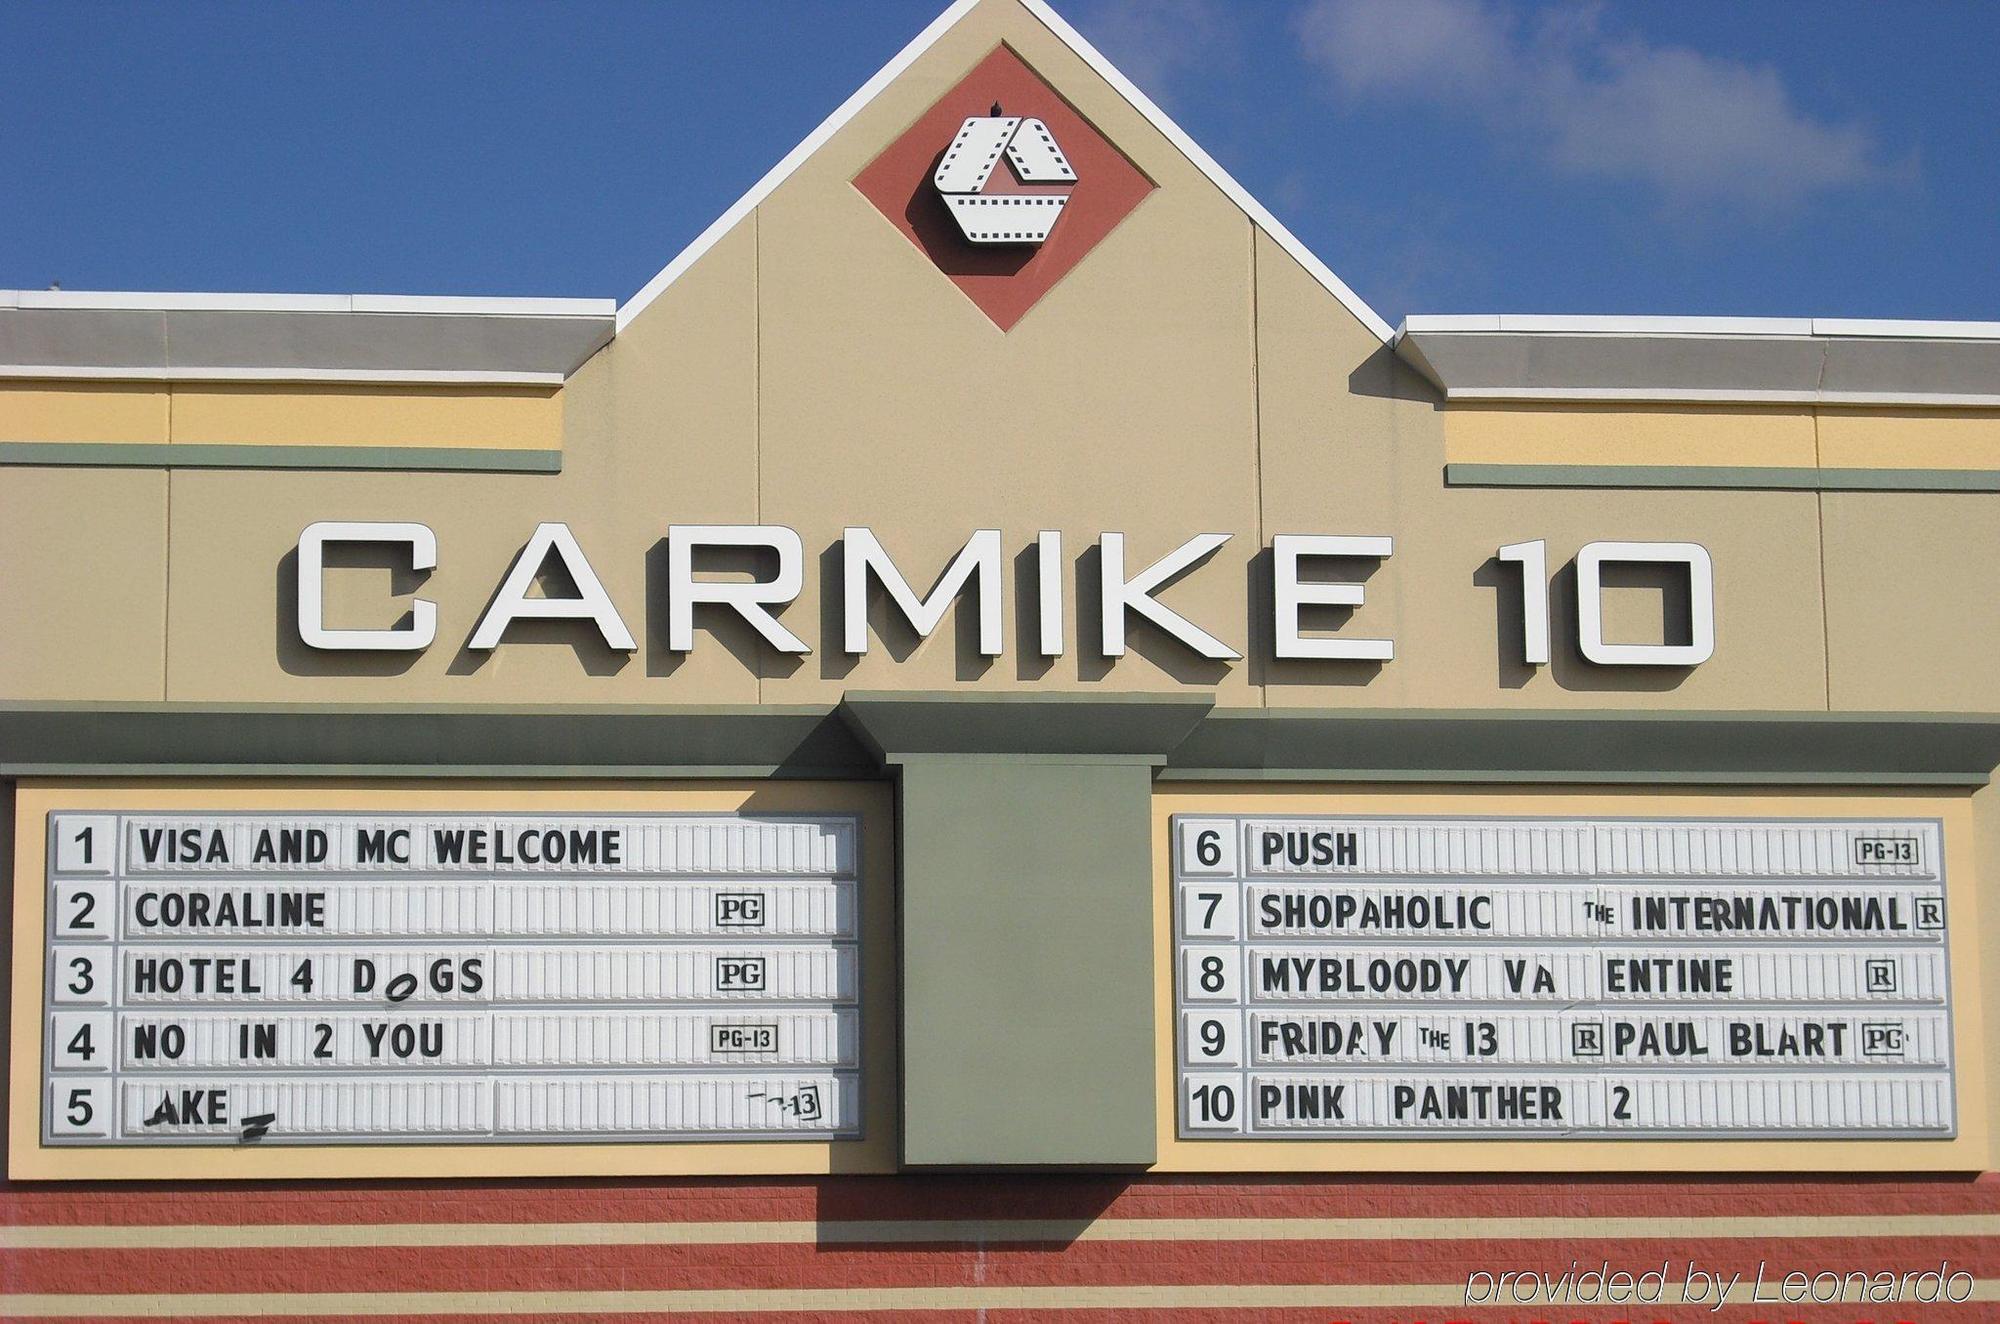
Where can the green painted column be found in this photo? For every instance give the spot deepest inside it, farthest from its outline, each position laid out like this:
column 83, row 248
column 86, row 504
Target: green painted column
column 1026, row 903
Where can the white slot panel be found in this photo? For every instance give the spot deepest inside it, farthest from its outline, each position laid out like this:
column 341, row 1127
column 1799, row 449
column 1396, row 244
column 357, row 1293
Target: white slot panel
column 1776, row 850
column 313, row 1107
column 1649, row 974
column 433, row 908
column 1708, row 912
column 528, row 1106
column 1417, row 848
column 692, row 1038
column 561, row 844
column 1595, row 1038
column 1481, row 1103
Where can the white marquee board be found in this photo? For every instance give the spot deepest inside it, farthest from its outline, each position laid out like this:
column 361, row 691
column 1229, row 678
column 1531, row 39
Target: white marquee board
column 1561, row 977
column 299, row 978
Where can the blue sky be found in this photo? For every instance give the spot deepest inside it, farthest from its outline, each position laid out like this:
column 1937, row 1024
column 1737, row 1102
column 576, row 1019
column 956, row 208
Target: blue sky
column 1835, row 158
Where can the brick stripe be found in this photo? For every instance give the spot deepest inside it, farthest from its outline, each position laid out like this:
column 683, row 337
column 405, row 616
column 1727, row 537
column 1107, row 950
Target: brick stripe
column 572, row 1268
column 1320, row 1297
column 1977, row 1312
column 579, row 1273
column 989, row 1231
column 938, row 1248
column 916, row 1198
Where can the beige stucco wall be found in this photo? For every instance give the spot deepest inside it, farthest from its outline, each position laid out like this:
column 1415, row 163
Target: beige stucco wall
column 1354, row 442
column 813, row 369
column 1123, row 401
column 83, row 584
column 661, row 427
column 1913, row 619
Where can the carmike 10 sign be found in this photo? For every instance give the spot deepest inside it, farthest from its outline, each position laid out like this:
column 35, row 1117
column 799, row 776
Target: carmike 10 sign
column 1561, row 977
column 1124, row 590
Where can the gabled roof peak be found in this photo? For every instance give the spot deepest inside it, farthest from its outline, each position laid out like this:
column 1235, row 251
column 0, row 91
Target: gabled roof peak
column 1070, row 37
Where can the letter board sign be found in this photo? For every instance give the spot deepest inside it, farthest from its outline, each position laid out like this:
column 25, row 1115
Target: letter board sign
column 1560, row 977
column 303, row 978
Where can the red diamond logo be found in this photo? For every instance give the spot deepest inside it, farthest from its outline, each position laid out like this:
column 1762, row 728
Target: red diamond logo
column 1003, row 186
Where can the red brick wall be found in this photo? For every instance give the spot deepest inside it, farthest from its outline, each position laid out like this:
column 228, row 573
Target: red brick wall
column 965, row 1248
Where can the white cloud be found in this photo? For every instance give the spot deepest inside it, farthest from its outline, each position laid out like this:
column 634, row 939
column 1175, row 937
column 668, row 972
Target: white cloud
column 1702, row 129
column 1157, row 42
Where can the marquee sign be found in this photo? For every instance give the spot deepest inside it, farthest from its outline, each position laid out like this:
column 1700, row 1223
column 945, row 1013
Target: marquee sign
column 1559, row 977
column 303, row 978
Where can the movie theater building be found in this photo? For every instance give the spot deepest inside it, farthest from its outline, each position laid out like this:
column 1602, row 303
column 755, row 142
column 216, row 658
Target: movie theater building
column 993, row 740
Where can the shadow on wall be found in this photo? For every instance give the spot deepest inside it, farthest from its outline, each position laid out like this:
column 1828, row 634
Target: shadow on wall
column 1384, row 376
column 939, row 236
column 1567, row 665
column 1266, row 667
column 592, row 654
column 888, row 629
column 299, row 660
column 1029, row 664
column 735, row 634
column 1061, row 1208
column 1142, row 637
column 551, row 581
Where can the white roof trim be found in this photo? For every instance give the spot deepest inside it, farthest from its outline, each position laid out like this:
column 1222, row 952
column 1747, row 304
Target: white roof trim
column 1664, row 395
column 1104, row 69
column 1874, row 327
column 1794, row 327
column 1631, row 394
column 792, row 160
column 1217, row 176
column 436, row 305
column 1707, row 360
column 349, row 376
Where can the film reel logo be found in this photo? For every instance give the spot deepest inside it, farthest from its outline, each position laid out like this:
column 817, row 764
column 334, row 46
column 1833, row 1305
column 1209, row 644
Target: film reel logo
column 1019, row 205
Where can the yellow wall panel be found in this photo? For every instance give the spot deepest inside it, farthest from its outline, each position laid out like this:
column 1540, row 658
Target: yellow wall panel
column 1733, row 436
column 1623, row 434
column 498, row 418
column 83, row 412
column 1909, row 439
